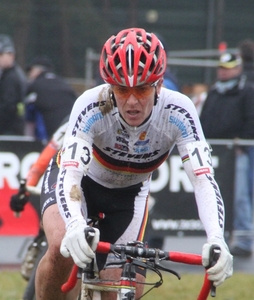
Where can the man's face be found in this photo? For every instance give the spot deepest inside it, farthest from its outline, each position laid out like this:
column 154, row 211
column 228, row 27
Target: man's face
column 6, row 60
column 225, row 74
column 135, row 103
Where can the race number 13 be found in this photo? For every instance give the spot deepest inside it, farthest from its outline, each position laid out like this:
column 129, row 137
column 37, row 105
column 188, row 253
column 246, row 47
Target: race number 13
column 200, row 157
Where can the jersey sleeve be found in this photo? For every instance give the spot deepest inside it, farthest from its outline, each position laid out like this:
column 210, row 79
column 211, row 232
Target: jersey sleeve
column 197, row 163
column 195, row 153
column 75, row 159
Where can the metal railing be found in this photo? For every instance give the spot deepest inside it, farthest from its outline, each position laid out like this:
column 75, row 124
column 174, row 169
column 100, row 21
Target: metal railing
column 187, row 58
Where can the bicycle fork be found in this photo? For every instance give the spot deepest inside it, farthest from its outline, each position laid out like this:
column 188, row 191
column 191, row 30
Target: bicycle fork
column 125, row 288
column 128, row 282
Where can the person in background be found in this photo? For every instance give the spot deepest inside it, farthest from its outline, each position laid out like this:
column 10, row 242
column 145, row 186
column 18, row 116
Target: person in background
column 198, row 96
column 12, row 89
column 170, row 81
column 246, row 49
column 228, row 113
column 49, row 99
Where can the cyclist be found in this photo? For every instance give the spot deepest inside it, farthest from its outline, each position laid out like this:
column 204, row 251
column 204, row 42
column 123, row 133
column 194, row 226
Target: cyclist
column 118, row 134
column 19, row 200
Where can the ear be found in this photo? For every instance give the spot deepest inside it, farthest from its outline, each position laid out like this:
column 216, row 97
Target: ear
column 159, row 85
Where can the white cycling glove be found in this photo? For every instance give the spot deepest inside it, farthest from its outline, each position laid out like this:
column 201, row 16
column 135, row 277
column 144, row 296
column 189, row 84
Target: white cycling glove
column 223, row 268
column 74, row 243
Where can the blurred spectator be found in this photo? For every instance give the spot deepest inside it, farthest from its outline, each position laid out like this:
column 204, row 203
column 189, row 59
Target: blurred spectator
column 169, row 79
column 49, row 99
column 12, row 89
column 198, row 96
column 228, row 113
column 246, row 48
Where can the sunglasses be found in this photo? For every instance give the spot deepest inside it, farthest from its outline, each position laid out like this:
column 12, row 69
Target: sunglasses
column 141, row 91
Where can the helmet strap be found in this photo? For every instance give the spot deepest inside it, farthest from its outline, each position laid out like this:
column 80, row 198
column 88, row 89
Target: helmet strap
column 156, row 97
column 112, row 96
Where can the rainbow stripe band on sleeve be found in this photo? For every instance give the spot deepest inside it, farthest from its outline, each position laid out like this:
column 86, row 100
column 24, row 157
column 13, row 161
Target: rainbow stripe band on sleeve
column 185, row 158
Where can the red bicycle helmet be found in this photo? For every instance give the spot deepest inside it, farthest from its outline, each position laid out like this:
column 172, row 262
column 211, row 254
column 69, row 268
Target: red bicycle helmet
column 133, row 57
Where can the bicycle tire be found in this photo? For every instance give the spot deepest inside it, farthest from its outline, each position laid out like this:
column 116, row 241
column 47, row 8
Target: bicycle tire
column 29, row 293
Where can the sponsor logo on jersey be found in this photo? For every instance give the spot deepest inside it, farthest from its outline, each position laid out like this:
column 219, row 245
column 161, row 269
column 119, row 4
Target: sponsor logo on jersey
column 121, row 147
column 202, row 171
column 141, row 149
column 62, row 196
column 141, row 143
column 130, row 155
column 142, row 135
column 220, row 205
column 178, row 123
column 90, row 121
column 187, row 115
column 122, row 132
column 122, row 140
column 71, row 164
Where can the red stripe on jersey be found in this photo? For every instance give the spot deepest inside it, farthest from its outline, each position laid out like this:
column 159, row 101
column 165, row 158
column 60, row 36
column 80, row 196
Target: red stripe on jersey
column 127, row 166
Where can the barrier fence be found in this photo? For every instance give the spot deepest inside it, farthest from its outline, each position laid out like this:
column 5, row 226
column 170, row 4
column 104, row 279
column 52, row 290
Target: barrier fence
column 172, row 204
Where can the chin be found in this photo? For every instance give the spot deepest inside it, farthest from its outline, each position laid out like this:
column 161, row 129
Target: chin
column 134, row 123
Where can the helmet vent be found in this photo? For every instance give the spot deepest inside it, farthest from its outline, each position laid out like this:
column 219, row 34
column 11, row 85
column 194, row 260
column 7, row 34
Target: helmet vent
column 148, row 43
column 133, row 57
column 143, row 58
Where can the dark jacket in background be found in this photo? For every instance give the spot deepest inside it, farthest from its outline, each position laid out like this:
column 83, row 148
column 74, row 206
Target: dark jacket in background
column 12, row 91
column 248, row 71
column 49, row 99
column 230, row 114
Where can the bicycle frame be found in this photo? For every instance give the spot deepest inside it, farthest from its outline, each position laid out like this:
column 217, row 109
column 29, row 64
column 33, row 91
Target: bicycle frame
column 91, row 288
column 125, row 288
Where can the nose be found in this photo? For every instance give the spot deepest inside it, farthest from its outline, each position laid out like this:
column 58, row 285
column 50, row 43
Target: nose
column 132, row 100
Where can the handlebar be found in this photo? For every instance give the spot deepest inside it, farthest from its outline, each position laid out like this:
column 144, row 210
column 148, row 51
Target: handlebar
column 149, row 254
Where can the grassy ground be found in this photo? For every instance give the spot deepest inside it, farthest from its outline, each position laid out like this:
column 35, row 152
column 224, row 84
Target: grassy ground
column 239, row 287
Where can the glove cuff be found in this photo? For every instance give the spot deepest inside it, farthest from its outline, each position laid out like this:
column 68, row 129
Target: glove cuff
column 76, row 223
column 219, row 241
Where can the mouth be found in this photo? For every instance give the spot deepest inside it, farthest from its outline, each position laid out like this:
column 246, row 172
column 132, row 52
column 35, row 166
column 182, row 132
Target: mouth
column 133, row 113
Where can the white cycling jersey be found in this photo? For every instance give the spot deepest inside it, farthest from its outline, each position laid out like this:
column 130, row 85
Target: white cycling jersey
column 117, row 155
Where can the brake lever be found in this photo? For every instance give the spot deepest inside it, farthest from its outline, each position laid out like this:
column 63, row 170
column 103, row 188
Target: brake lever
column 214, row 256
column 89, row 269
column 160, row 267
column 89, row 234
column 158, row 264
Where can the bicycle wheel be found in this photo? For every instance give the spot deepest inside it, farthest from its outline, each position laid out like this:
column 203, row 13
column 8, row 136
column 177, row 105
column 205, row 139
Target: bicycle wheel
column 29, row 293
